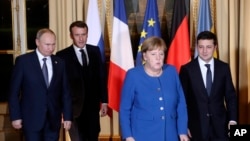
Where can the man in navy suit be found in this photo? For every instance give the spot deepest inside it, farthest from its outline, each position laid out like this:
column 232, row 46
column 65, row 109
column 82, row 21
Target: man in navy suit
column 87, row 78
column 210, row 113
column 35, row 105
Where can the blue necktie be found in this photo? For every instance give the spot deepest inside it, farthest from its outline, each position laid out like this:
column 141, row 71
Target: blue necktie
column 45, row 72
column 84, row 59
column 208, row 79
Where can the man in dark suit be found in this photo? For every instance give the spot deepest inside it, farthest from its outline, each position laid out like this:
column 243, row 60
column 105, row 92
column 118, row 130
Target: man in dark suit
column 86, row 74
column 37, row 102
column 211, row 99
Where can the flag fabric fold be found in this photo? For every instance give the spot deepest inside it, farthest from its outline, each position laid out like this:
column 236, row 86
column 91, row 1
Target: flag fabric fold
column 121, row 58
column 151, row 26
column 95, row 36
column 179, row 50
column 204, row 21
column 93, row 21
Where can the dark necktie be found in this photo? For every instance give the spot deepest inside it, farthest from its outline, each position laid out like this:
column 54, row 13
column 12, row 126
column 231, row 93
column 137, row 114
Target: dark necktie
column 84, row 59
column 208, row 79
column 45, row 72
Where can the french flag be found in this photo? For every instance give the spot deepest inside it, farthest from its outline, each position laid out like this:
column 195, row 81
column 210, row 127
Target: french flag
column 121, row 58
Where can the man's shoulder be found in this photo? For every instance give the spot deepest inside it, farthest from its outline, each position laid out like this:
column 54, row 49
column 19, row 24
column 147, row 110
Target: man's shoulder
column 191, row 63
column 56, row 57
column 26, row 55
column 65, row 49
column 65, row 52
column 221, row 64
column 92, row 47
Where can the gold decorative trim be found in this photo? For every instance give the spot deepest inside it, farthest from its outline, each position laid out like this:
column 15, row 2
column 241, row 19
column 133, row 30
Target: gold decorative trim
column 109, row 18
column 195, row 22
column 213, row 14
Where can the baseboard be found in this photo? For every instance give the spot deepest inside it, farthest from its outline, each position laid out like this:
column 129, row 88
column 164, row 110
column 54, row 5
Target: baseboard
column 109, row 138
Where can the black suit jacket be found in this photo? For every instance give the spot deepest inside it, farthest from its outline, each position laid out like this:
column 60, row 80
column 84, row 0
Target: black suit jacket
column 31, row 100
column 97, row 85
column 212, row 111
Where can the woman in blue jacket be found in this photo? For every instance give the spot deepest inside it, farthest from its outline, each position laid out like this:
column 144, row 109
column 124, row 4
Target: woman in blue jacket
column 153, row 106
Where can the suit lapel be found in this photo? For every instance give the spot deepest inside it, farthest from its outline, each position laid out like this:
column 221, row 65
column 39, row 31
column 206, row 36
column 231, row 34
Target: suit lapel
column 89, row 52
column 72, row 53
column 54, row 63
column 215, row 80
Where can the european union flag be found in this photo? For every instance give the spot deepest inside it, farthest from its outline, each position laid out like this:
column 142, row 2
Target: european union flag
column 151, row 26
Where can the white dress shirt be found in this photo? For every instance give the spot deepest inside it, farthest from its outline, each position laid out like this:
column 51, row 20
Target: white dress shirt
column 79, row 54
column 204, row 68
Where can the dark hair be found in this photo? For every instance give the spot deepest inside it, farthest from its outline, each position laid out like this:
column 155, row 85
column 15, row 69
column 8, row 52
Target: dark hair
column 80, row 24
column 207, row 35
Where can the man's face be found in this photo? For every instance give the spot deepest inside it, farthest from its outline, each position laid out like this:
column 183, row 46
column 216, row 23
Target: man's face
column 46, row 44
column 79, row 36
column 206, row 49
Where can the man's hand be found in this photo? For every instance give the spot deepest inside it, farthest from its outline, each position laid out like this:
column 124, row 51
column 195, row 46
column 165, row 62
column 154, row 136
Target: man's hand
column 104, row 109
column 67, row 125
column 231, row 122
column 17, row 124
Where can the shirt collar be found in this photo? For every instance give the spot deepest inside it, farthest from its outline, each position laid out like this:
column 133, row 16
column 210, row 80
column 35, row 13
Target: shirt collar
column 77, row 48
column 201, row 62
column 40, row 56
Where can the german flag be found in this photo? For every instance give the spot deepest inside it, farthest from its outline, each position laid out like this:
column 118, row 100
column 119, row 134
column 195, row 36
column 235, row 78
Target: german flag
column 179, row 51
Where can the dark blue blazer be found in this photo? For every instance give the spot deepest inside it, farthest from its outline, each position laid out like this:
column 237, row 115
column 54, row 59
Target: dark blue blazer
column 30, row 99
column 212, row 111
